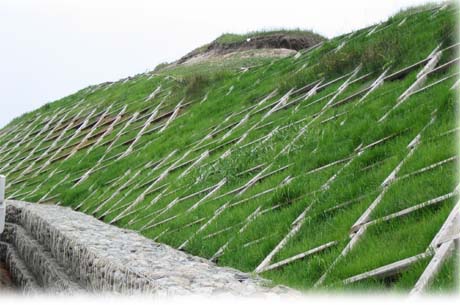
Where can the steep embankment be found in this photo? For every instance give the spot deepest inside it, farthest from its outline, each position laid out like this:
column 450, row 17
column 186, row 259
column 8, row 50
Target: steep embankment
column 333, row 168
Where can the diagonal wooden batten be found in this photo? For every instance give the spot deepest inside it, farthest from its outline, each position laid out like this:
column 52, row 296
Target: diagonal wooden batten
column 388, row 270
column 172, row 117
column 253, row 181
column 340, row 46
column 107, row 150
column 115, row 205
column 436, row 12
column 440, row 81
column 241, row 122
column 205, row 190
column 402, row 22
column 256, row 241
column 450, row 226
column 342, row 254
column 203, row 156
column 4, row 133
column 167, row 208
column 250, row 170
column 445, row 65
column 428, row 168
column 141, row 132
column 215, row 189
column 137, row 218
column 36, row 189
column 299, row 221
column 301, row 68
column 107, row 189
column 165, row 173
column 221, row 231
column 159, row 223
column 190, row 224
column 98, row 141
column 376, row 84
column 122, row 130
column 412, row 209
column 23, row 136
column 372, row 30
column 391, row 177
column 126, row 210
column 277, row 105
column 61, row 135
column 328, row 183
column 309, row 94
column 333, row 117
column 157, row 213
column 382, row 140
column 156, row 238
column 360, row 226
column 270, row 190
column 321, row 112
column 300, row 256
column 442, row 250
column 153, row 94
column 32, row 152
column 61, row 148
column 342, row 88
column 164, row 161
column 115, row 193
column 282, row 101
column 406, row 70
column 296, row 227
column 89, row 134
column 31, row 139
column 220, row 210
column 456, row 85
column 346, row 203
column 50, row 147
column 253, row 216
column 4, row 146
column 9, row 155
column 85, row 200
column 42, row 199
column 205, row 98
column 312, row 91
column 339, row 90
column 216, row 214
column 434, row 58
column 428, row 275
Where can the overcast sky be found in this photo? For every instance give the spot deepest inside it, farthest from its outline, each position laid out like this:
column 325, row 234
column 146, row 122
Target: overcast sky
column 52, row 48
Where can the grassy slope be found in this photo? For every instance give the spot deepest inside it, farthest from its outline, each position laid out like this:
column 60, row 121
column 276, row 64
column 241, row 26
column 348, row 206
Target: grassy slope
column 232, row 99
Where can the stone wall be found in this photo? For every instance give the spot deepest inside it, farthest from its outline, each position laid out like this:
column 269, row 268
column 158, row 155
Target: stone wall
column 60, row 250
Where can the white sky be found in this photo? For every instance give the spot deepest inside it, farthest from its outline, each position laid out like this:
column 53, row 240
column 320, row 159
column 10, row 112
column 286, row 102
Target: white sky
column 52, row 48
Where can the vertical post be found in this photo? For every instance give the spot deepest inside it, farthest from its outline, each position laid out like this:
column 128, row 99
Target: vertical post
column 2, row 203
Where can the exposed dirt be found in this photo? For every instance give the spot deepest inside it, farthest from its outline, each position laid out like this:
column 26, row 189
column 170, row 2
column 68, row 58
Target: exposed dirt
column 213, row 56
column 287, row 44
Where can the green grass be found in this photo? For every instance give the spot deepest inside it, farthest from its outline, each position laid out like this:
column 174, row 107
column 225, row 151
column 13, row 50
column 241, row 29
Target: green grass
column 222, row 101
column 228, row 38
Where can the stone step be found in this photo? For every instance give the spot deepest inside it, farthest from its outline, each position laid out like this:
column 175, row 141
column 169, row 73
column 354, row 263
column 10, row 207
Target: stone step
column 47, row 271
column 18, row 270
